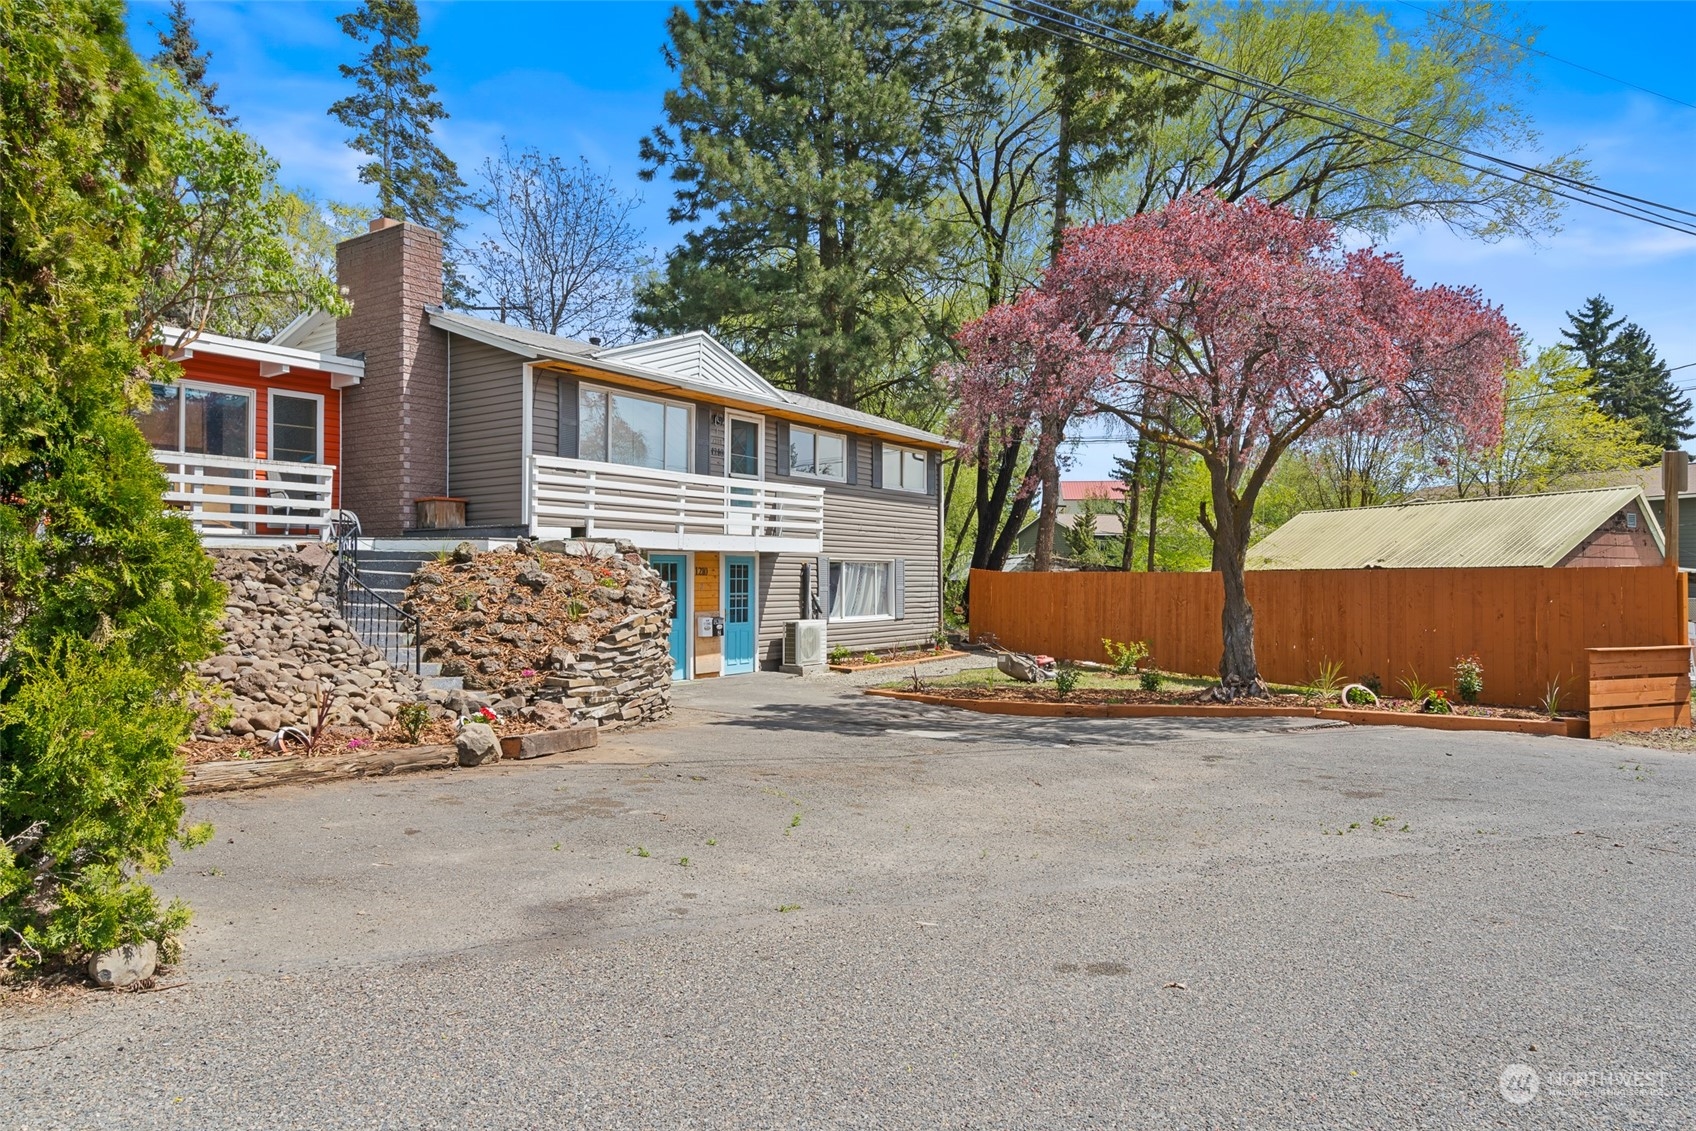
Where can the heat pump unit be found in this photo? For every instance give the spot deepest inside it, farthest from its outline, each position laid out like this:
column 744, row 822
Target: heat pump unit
column 803, row 646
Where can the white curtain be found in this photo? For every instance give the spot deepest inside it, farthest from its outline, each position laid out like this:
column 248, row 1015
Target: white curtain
column 860, row 589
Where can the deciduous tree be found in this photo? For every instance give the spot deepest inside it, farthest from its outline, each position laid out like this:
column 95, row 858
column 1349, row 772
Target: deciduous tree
column 1256, row 326
column 564, row 249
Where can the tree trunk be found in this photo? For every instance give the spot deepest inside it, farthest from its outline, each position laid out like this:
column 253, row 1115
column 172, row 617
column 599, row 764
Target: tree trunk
column 1162, row 467
column 1048, row 518
column 998, row 523
column 1239, row 674
column 1133, row 505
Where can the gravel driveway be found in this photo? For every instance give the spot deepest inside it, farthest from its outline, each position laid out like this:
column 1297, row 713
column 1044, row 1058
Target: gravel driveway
column 902, row 916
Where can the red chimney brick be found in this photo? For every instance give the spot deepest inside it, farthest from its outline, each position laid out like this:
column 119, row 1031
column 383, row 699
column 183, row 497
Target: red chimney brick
column 395, row 421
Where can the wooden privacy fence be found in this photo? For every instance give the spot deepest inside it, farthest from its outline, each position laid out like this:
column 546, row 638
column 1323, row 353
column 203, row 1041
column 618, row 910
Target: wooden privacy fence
column 1528, row 626
column 1638, row 689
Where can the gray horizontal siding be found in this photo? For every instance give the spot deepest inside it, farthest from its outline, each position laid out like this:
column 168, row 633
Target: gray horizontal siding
column 485, row 432
column 544, row 417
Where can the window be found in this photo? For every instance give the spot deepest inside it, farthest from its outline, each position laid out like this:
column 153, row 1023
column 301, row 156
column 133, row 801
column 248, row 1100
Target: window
column 859, row 590
column 822, row 455
column 624, row 428
column 201, row 421
column 744, row 448
column 904, row 469
column 294, row 428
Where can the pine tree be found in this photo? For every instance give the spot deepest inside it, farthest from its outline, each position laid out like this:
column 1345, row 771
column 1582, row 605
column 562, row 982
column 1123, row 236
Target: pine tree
column 393, row 116
column 803, row 141
column 181, row 52
column 1631, row 382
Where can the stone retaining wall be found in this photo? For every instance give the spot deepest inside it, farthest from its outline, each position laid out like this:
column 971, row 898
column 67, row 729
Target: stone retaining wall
column 578, row 626
column 285, row 647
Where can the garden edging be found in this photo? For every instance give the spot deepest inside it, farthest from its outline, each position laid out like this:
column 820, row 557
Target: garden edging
column 847, row 669
column 1568, row 728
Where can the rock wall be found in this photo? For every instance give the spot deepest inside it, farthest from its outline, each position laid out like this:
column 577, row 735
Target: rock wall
column 284, row 647
column 580, row 625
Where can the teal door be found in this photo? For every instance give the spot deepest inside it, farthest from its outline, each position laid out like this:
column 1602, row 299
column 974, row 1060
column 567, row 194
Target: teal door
column 674, row 571
column 738, row 615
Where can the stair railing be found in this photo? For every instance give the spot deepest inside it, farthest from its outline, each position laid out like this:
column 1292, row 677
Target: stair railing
column 367, row 612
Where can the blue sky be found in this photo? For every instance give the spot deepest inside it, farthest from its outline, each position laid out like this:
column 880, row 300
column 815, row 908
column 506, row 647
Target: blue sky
column 587, row 78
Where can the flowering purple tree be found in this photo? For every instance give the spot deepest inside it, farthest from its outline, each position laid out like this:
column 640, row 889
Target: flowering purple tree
column 1249, row 326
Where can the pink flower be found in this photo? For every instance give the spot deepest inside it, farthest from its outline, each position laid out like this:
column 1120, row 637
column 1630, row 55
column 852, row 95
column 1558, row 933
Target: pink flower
column 527, row 672
column 356, row 743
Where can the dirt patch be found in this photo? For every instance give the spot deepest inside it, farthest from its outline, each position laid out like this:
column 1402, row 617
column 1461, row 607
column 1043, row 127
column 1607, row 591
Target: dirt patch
column 1104, row 696
column 1681, row 739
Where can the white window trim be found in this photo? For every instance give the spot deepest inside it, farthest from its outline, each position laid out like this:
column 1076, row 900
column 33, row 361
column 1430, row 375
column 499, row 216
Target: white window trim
column 759, row 423
column 271, row 396
column 867, row 619
column 924, row 485
column 211, row 387
column 615, row 390
column 817, row 432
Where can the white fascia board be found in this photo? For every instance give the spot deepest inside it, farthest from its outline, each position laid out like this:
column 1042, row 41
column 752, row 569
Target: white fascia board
column 262, row 352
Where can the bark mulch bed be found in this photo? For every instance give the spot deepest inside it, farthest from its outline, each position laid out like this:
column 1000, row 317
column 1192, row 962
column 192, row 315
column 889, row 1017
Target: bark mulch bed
column 1047, row 693
column 894, row 659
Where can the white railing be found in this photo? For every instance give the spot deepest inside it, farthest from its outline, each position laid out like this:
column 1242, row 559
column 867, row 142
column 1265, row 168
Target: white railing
column 668, row 510
column 246, row 499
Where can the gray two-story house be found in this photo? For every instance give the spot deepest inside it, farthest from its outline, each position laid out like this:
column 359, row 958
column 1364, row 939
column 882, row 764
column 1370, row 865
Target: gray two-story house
column 760, row 507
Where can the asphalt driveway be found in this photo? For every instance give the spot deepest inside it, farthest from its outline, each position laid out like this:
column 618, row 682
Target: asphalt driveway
column 792, row 905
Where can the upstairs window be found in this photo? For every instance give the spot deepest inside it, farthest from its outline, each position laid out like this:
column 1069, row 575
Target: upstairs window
column 628, row 429
column 822, row 455
column 904, row 469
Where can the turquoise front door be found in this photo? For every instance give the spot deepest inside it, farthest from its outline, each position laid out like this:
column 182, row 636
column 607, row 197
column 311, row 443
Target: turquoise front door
column 738, row 614
column 674, row 571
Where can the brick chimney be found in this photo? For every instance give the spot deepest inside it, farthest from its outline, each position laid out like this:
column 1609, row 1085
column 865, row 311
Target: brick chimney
column 395, row 421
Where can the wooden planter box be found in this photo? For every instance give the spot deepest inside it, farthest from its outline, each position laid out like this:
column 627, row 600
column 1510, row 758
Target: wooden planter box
column 438, row 512
column 1639, row 688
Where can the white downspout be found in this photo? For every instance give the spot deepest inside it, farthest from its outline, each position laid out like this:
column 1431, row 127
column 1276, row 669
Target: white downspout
column 524, row 446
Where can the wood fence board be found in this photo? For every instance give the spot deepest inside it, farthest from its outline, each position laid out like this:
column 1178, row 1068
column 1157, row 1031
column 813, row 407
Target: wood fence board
column 1614, row 719
column 1647, row 691
column 1528, row 626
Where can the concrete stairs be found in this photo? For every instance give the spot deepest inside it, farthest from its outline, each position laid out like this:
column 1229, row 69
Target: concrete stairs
column 387, row 573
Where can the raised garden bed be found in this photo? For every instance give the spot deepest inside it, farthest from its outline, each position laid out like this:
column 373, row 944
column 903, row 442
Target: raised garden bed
column 895, row 659
column 1118, row 697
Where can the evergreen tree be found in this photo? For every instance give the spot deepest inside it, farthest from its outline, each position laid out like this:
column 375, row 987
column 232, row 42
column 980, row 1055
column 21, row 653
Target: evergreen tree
column 1631, row 382
column 801, row 137
column 393, row 116
column 106, row 599
column 181, row 52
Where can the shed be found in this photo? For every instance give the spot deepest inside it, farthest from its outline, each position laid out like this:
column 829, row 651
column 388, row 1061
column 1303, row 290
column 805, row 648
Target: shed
column 1610, row 526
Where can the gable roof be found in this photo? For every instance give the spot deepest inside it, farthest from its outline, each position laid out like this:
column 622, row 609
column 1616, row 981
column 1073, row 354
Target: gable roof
column 1077, row 490
column 1515, row 530
column 313, row 330
column 698, row 356
column 694, row 364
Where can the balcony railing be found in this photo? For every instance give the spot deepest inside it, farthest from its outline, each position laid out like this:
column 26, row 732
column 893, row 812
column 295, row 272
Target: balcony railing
column 668, row 510
column 247, row 499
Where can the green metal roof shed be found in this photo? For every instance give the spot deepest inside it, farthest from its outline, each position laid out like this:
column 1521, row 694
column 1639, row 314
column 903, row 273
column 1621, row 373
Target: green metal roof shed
column 1513, row 530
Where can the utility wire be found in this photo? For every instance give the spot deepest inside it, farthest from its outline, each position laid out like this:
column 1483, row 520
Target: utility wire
column 1029, row 14
column 1526, row 47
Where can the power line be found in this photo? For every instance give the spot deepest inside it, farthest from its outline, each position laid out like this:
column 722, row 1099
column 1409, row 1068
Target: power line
column 1038, row 15
column 1526, row 47
column 1096, row 30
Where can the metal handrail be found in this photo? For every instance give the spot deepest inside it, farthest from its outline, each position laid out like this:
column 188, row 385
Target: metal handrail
column 371, row 612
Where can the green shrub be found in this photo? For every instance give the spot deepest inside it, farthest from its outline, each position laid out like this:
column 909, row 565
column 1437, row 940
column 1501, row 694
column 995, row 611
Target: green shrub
column 413, row 718
column 1125, row 658
column 840, row 655
column 1152, row 680
column 1066, row 680
column 1469, row 678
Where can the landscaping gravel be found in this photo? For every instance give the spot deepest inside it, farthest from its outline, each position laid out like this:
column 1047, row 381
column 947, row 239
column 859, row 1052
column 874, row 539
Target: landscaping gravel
column 895, row 915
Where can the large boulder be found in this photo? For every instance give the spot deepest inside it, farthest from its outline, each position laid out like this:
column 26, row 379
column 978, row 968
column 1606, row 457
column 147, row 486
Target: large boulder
column 477, row 745
column 124, row 966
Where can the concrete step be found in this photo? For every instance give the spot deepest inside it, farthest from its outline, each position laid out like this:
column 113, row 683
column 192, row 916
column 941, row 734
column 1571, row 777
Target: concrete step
column 443, row 682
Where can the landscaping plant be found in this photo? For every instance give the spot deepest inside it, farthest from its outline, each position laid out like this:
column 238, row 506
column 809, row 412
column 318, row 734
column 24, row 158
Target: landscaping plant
column 1125, row 658
column 840, row 655
column 1066, row 681
column 413, row 718
column 1152, row 680
column 1329, row 679
column 1469, row 678
column 109, row 182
